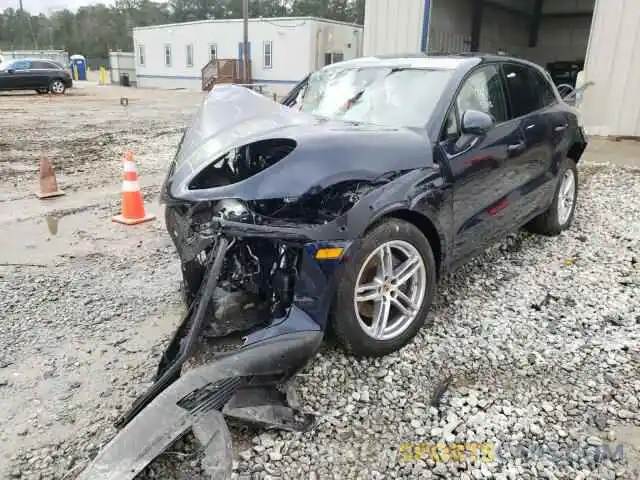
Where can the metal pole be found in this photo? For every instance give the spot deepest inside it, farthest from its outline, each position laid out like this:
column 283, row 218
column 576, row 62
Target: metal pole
column 245, row 47
column 21, row 12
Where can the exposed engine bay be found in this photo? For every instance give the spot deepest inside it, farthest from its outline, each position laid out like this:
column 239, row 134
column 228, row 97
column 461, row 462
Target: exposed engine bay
column 243, row 162
column 255, row 192
column 316, row 206
column 255, row 284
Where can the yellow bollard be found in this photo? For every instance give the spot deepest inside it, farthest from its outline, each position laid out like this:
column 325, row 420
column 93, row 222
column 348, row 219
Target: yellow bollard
column 75, row 72
column 103, row 76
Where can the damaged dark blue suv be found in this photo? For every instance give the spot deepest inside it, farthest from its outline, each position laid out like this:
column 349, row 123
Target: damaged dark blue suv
column 340, row 209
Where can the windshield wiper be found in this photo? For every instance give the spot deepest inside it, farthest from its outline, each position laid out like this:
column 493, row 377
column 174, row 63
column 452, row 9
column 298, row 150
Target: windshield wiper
column 353, row 100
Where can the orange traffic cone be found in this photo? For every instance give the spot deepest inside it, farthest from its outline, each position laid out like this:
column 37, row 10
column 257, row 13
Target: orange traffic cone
column 132, row 203
column 48, row 184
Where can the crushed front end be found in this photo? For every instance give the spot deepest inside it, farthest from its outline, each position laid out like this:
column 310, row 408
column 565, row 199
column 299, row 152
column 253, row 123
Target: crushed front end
column 240, row 278
column 262, row 224
column 269, row 281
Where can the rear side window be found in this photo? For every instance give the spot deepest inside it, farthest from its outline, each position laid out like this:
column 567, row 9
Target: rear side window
column 40, row 65
column 525, row 90
column 547, row 95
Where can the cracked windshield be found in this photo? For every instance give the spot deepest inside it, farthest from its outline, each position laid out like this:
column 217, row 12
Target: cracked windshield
column 385, row 96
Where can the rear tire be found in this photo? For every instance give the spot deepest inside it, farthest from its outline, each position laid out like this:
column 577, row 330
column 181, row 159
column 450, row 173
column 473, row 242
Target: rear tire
column 57, row 87
column 395, row 307
column 560, row 214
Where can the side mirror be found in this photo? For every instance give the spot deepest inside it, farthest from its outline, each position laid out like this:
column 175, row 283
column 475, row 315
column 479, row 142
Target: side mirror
column 476, row 123
column 10, row 70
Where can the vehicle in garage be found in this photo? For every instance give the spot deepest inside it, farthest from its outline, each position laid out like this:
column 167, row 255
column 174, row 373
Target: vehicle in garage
column 339, row 211
column 41, row 75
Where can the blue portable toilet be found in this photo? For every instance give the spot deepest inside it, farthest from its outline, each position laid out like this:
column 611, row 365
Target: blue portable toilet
column 80, row 64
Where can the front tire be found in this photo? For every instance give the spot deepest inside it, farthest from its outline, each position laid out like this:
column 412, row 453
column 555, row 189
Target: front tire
column 560, row 214
column 57, row 87
column 385, row 291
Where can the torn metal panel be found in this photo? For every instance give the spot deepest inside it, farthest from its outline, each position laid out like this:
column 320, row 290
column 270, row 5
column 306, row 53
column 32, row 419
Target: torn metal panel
column 184, row 340
column 227, row 143
column 255, row 191
column 188, row 403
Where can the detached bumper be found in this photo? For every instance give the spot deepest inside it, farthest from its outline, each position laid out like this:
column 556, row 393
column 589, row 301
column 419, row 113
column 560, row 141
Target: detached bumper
column 196, row 402
column 244, row 384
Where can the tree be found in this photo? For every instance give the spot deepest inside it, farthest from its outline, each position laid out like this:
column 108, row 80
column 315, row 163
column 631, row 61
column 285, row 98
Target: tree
column 94, row 30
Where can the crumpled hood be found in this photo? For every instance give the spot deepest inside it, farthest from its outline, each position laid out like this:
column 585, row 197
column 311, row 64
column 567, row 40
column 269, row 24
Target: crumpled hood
column 326, row 152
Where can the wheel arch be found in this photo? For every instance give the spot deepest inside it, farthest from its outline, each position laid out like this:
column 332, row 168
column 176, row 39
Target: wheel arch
column 576, row 150
column 424, row 224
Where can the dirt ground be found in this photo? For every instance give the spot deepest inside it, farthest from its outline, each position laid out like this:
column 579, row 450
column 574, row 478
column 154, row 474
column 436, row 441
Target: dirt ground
column 119, row 321
column 74, row 353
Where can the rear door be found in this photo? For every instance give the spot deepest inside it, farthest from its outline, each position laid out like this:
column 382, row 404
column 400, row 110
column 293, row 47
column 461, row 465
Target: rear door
column 477, row 164
column 528, row 170
column 42, row 73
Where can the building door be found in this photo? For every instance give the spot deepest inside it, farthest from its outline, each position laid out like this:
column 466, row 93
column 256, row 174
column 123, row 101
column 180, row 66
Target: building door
column 241, row 57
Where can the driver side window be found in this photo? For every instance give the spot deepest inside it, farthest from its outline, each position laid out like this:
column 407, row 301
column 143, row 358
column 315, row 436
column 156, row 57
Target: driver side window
column 483, row 92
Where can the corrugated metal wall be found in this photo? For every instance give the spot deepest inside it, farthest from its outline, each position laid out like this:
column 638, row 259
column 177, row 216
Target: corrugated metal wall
column 393, row 26
column 450, row 29
column 504, row 31
column 612, row 105
column 609, row 107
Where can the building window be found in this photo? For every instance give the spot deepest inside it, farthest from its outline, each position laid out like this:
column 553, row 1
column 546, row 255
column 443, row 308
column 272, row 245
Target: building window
column 333, row 57
column 141, row 54
column 190, row 55
column 167, row 55
column 213, row 51
column 268, row 54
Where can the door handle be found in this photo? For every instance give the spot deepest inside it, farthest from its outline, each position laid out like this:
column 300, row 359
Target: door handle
column 516, row 148
column 561, row 128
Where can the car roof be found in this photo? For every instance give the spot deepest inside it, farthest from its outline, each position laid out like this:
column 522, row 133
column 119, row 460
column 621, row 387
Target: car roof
column 445, row 61
column 406, row 61
column 12, row 60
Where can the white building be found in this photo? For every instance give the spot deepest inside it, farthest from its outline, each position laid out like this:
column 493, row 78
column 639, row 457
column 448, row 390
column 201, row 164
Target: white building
column 122, row 64
column 282, row 50
column 600, row 35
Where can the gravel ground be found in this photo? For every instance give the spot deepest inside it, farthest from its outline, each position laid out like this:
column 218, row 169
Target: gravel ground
column 537, row 341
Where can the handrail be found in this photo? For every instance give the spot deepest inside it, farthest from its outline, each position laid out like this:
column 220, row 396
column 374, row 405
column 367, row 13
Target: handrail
column 573, row 93
column 222, row 70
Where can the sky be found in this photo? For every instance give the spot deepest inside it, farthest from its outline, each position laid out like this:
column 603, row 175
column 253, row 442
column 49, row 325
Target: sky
column 45, row 6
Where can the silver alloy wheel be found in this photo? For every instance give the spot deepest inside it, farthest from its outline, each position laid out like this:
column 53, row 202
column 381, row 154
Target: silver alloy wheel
column 57, row 87
column 390, row 289
column 566, row 196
